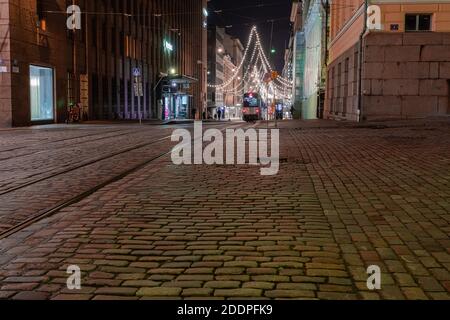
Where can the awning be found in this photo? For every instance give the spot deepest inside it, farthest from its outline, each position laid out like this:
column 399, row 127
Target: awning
column 184, row 79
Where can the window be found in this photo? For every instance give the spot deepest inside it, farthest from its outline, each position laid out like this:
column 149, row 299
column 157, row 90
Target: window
column 41, row 15
column 104, row 37
column 94, row 32
column 41, row 93
column 40, row 9
column 113, row 40
column 418, row 22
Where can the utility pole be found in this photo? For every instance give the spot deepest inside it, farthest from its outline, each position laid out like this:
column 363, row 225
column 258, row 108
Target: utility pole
column 275, row 103
column 267, row 103
column 361, row 60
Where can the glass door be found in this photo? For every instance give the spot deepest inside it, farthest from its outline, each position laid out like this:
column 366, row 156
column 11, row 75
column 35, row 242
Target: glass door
column 41, row 93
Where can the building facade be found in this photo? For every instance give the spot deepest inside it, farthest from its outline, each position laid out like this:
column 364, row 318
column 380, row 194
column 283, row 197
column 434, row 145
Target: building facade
column 395, row 66
column 216, row 50
column 308, row 51
column 295, row 59
column 137, row 59
column 315, row 28
column 234, row 53
column 225, row 54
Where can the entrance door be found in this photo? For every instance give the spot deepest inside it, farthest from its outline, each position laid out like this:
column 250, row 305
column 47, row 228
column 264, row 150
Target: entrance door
column 41, row 93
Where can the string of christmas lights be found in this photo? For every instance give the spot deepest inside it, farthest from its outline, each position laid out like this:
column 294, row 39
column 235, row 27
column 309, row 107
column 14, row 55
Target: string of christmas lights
column 268, row 68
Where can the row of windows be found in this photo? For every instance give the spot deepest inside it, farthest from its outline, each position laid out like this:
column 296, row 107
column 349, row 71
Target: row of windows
column 339, row 85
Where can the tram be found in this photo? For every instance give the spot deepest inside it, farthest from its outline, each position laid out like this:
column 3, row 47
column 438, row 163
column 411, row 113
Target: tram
column 252, row 107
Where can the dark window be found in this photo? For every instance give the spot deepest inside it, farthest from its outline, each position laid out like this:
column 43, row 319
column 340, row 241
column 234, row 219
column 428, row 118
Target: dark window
column 104, row 36
column 94, row 32
column 95, row 89
column 114, row 92
column 40, row 9
column 418, row 22
column 122, row 44
column 113, row 40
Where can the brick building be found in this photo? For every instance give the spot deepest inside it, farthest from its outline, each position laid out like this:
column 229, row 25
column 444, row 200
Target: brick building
column 398, row 66
column 131, row 59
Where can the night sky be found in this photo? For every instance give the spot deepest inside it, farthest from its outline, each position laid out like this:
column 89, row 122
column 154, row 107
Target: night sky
column 243, row 14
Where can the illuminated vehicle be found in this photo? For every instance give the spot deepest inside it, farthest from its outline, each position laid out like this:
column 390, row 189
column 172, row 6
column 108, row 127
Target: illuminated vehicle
column 252, row 107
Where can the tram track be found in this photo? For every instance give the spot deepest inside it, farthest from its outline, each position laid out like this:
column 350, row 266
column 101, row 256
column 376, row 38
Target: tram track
column 84, row 164
column 47, row 212
column 119, row 133
column 51, row 211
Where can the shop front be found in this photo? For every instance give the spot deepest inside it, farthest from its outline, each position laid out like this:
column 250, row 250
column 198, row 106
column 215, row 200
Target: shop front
column 177, row 100
column 177, row 106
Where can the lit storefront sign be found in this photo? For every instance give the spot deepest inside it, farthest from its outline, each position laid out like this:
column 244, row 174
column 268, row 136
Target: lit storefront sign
column 168, row 46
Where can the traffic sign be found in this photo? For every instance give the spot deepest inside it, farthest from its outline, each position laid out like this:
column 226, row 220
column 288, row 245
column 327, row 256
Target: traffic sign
column 274, row 75
column 137, row 72
column 138, row 89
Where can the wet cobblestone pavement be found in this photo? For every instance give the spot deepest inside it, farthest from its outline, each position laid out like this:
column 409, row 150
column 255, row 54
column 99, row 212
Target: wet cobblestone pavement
column 346, row 197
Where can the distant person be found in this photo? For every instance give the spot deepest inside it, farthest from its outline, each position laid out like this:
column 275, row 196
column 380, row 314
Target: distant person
column 219, row 114
column 292, row 112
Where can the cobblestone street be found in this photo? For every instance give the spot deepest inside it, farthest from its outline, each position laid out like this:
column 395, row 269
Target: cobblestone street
column 109, row 199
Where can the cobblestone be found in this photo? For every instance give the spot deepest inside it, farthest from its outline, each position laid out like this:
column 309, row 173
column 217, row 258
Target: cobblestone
column 347, row 196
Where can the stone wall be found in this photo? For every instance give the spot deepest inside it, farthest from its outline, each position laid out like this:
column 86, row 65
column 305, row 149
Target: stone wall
column 405, row 75
column 34, row 46
column 342, row 87
column 5, row 77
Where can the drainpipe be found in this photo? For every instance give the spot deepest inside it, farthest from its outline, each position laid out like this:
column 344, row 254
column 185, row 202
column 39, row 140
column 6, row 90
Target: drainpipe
column 326, row 7
column 361, row 61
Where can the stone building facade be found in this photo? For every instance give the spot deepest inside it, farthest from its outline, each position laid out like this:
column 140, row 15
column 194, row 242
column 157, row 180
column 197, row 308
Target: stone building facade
column 398, row 70
column 118, row 65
